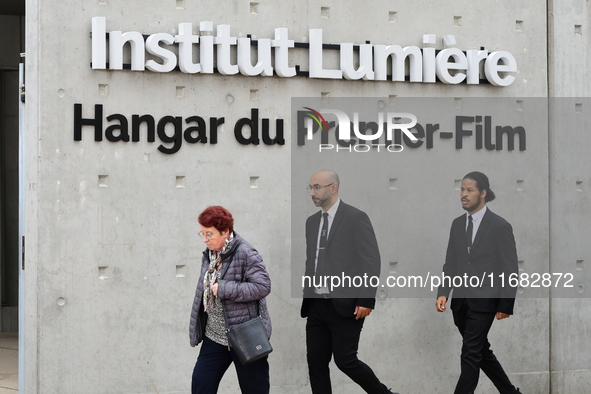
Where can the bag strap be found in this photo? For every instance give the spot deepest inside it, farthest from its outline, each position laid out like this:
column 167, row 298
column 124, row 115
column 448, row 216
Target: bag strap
column 227, row 265
column 226, row 316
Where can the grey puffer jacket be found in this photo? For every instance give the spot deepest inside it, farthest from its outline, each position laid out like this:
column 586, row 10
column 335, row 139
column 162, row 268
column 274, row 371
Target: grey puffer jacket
column 243, row 282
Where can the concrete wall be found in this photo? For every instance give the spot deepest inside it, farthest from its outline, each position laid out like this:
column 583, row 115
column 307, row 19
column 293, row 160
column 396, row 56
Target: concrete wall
column 112, row 246
column 569, row 189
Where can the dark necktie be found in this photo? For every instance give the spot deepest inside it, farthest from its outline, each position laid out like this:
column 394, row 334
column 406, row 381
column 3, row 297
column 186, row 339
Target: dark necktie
column 469, row 233
column 322, row 246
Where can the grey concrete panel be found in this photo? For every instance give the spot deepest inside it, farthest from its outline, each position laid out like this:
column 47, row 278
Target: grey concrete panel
column 569, row 176
column 570, row 212
column 569, row 53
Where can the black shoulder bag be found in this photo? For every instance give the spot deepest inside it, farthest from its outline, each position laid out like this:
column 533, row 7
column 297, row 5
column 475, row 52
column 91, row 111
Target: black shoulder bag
column 249, row 339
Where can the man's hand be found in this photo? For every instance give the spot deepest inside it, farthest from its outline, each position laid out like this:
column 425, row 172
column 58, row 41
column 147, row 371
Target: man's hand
column 361, row 312
column 440, row 304
column 501, row 315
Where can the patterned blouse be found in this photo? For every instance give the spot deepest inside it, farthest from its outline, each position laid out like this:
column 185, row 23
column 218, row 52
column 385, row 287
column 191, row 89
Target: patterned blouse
column 215, row 329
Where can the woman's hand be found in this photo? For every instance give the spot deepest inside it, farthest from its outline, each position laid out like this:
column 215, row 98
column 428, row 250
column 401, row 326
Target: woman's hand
column 214, row 289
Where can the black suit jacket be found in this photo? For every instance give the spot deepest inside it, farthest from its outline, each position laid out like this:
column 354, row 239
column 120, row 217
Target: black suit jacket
column 493, row 252
column 351, row 251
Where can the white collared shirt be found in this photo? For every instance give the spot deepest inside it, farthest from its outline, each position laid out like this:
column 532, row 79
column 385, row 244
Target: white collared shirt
column 476, row 220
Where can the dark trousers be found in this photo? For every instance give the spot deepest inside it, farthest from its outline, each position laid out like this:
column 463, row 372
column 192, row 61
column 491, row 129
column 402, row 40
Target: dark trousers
column 328, row 334
column 213, row 361
column 476, row 352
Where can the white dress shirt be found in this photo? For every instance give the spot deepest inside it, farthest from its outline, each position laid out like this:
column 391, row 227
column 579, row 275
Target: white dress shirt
column 331, row 213
column 476, row 220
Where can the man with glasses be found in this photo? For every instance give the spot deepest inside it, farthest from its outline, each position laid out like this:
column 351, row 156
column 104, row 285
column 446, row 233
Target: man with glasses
column 340, row 242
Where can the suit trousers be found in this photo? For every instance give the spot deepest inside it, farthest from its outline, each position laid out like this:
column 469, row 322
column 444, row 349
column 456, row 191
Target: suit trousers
column 328, row 334
column 213, row 361
column 476, row 352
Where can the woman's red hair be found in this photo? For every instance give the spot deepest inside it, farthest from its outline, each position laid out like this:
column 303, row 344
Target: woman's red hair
column 218, row 217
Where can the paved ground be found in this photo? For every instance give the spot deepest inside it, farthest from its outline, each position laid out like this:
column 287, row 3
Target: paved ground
column 8, row 363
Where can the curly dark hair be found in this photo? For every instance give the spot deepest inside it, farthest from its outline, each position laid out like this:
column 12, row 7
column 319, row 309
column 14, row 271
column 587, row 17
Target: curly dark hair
column 481, row 183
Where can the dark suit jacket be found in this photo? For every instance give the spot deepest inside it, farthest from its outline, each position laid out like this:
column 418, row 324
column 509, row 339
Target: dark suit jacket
column 493, row 252
column 351, row 250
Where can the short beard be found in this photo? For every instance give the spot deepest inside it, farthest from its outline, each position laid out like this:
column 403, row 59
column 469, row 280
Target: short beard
column 321, row 201
column 474, row 206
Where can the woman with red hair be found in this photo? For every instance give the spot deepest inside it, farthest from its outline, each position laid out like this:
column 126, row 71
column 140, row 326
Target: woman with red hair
column 234, row 278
